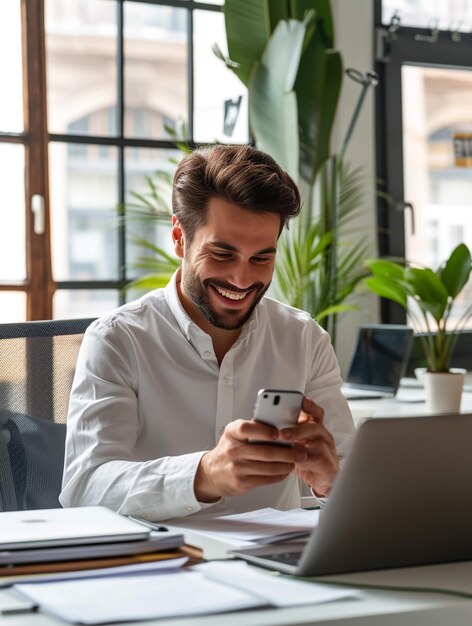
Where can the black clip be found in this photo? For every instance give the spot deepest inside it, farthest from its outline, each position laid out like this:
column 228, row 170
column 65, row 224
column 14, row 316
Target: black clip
column 434, row 33
column 385, row 37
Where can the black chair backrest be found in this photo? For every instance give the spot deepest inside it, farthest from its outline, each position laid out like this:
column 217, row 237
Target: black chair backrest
column 37, row 365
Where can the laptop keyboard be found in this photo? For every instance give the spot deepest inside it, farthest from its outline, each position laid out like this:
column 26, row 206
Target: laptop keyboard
column 290, row 558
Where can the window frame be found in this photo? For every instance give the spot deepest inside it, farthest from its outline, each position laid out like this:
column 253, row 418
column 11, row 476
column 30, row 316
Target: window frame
column 39, row 285
column 404, row 49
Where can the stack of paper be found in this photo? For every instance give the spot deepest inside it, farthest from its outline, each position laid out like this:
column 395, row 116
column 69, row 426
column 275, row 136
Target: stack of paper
column 206, row 589
column 254, row 527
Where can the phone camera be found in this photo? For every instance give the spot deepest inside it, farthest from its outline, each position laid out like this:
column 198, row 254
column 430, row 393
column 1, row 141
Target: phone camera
column 276, row 400
column 266, row 395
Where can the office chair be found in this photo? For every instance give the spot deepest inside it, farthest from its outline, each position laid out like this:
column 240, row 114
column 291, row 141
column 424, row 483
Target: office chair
column 37, row 365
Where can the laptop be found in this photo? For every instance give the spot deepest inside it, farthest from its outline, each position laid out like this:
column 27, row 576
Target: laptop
column 380, row 360
column 65, row 527
column 403, row 498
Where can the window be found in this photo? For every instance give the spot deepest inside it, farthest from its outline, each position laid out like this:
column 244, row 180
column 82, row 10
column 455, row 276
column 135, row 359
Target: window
column 424, row 61
column 116, row 75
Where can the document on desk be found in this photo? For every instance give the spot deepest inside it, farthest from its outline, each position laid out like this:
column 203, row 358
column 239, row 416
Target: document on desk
column 244, row 529
column 211, row 588
column 278, row 591
column 103, row 600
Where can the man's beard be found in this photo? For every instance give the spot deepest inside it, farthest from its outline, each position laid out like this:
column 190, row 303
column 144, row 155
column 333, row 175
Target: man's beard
column 197, row 291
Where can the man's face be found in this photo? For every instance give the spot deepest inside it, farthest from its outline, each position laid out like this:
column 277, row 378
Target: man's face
column 228, row 266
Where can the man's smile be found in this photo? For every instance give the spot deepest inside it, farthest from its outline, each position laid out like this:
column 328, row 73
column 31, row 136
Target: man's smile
column 231, row 295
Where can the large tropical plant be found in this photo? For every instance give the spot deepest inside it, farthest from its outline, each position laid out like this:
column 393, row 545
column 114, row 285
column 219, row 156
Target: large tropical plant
column 283, row 51
column 434, row 293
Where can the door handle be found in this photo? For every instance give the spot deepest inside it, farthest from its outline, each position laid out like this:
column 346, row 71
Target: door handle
column 39, row 216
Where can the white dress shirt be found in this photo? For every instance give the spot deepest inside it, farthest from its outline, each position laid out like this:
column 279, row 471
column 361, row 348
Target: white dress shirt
column 149, row 398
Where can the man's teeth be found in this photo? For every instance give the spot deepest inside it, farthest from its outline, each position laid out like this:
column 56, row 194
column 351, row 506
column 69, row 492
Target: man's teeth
column 230, row 294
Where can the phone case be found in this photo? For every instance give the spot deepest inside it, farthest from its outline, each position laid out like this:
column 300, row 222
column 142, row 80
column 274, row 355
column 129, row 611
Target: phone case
column 278, row 407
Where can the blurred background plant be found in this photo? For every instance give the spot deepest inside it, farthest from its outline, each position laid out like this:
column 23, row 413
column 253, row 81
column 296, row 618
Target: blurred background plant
column 428, row 297
column 284, row 53
column 152, row 208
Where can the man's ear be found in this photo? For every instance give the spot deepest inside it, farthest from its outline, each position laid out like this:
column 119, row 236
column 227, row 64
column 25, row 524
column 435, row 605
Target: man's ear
column 177, row 237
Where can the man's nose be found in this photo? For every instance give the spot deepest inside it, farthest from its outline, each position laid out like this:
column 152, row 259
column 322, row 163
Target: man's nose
column 242, row 276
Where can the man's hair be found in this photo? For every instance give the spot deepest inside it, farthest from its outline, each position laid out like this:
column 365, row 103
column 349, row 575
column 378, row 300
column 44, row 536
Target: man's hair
column 242, row 175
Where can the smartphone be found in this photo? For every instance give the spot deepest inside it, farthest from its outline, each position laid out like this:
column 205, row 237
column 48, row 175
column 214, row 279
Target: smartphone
column 278, row 407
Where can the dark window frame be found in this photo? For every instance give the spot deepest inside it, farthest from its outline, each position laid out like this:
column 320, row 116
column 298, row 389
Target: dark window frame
column 389, row 135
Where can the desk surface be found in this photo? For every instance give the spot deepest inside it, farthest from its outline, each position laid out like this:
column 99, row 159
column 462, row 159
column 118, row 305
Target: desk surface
column 404, row 404
column 371, row 607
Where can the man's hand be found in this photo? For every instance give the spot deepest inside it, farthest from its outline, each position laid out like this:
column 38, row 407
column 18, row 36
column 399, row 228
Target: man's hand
column 236, row 466
column 321, row 465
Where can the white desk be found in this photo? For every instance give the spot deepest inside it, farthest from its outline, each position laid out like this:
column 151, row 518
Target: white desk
column 404, row 404
column 371, row 608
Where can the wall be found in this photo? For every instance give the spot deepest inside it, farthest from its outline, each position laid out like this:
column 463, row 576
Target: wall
column 354, row 38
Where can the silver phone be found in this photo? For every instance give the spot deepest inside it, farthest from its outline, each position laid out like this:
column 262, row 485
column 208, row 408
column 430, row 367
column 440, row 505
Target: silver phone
column 278, row 407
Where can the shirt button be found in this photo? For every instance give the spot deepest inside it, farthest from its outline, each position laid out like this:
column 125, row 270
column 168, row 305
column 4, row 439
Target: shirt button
column 225, row 380
column 207, row 353
column 189, row 508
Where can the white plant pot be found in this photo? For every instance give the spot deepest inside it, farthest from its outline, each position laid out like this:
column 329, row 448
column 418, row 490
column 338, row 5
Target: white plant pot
column 443, row 390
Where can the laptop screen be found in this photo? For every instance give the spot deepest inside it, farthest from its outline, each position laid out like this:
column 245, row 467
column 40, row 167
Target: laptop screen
column 381, row 356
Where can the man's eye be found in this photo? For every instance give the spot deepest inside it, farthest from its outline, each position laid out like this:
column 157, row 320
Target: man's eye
column 222, row 255
column 261, row 259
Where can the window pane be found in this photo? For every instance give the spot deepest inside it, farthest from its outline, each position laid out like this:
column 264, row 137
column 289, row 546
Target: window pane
column 84, row 217
column 436, row 106
column 220, row 100
column 11, row 72
column 81, row 66
column 12, row 212
column 156, row 90
column 12, row 306
column 139, row 164
column 448, row 14
column 77, row 303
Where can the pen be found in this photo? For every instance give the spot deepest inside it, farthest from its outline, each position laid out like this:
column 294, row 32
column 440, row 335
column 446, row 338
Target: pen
column 147, row 523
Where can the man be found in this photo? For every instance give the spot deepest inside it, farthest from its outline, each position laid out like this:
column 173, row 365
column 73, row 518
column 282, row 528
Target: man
column 161, row 406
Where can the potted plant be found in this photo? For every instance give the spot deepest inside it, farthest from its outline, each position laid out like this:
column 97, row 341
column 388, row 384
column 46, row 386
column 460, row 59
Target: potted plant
column 428, row 297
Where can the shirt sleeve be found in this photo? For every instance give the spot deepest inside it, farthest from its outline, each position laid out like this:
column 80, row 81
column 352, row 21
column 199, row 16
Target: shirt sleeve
column 324, row 388
column 102, row 429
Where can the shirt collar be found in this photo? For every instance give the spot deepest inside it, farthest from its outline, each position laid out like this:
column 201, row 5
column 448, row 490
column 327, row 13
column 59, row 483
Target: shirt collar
column 173, row 300
column 187, row 326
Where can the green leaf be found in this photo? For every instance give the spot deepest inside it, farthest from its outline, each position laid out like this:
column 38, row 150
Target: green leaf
column 152, row 281
column 335, row 309
column 429, row 291
column 456, row 271
column 324, row 19
column 317, row 88
column 387, row 288
column 248, row 28
column 272, row 103
column 383, row 267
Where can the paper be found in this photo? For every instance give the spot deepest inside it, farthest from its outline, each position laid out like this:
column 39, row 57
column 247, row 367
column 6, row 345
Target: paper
column 98, row 601
column 216, row 587
column 245, row 529
column 276, row 590
column 138, row 568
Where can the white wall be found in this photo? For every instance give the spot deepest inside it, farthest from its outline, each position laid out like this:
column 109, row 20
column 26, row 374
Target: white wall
column 354, row 38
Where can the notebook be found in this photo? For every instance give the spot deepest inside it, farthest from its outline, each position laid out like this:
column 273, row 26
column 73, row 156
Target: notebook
column 403, row 498
column 380, row 360
column 60, row 527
